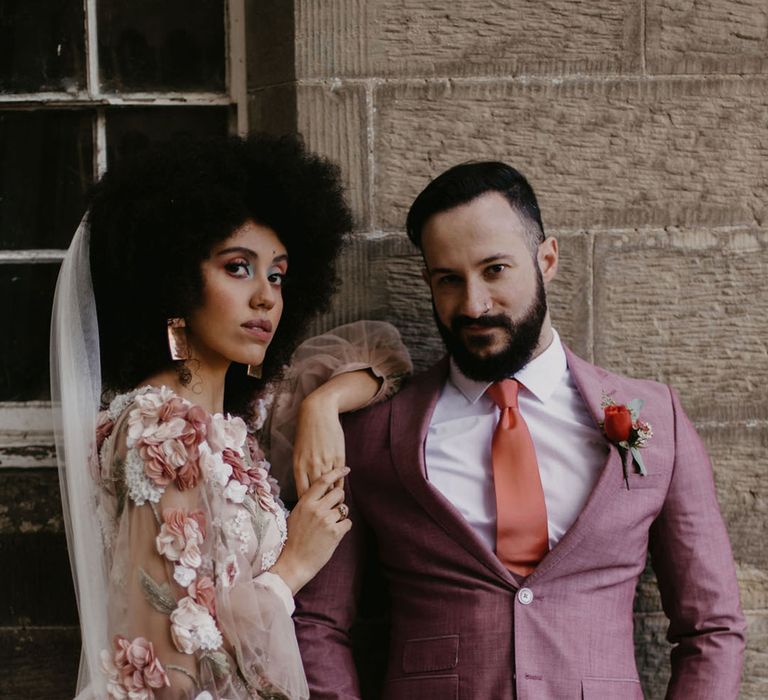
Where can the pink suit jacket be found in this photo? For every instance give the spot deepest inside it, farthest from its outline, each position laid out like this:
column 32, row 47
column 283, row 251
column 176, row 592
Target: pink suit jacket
column 464, row 628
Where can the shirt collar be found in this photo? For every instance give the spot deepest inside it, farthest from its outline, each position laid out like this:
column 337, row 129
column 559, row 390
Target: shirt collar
column 541, row 376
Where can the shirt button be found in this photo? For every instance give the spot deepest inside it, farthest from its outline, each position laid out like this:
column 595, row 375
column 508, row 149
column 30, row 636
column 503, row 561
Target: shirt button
column 525, row 596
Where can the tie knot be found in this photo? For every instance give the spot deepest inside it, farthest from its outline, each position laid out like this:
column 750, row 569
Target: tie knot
column 504, row 393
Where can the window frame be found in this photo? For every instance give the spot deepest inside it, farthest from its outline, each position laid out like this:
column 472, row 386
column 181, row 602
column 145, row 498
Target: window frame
column 26, row 431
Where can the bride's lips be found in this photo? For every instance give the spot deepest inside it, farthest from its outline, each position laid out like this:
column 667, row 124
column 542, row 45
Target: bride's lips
column 259, row 328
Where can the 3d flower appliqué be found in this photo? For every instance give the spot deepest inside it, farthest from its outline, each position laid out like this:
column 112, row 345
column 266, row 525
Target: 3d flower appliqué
column 622, row 425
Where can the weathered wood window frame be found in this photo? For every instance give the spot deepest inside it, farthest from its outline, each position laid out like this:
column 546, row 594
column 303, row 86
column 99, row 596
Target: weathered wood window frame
column 26, row 438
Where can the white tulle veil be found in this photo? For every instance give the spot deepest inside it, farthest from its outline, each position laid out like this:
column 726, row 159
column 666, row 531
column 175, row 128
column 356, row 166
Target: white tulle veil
column 75, row 396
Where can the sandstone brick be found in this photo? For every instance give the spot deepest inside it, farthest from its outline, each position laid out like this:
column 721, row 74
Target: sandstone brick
column 753, row 582
column 465, row 37
column 333, row 120
column 569, row 298
column 738, row 459
column 332, row 38
column 755, row 679
column 382, row 280
column 708, row 36
column 599, row 153
column 684, row 307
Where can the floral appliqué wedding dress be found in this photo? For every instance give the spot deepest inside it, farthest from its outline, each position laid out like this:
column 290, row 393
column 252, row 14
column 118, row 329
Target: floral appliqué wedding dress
column 191, row 523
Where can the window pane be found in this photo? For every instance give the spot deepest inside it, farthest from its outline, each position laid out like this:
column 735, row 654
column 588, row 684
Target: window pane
column 169, row 45
column 41, row 45
column 130, row 130
column 26, row 296
column 46, row 167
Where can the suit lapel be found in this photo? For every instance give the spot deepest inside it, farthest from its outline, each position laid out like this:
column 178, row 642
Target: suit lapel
column 591, row 382
column 412, row 411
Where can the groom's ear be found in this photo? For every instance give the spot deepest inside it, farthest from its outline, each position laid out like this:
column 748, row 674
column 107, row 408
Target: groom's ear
column 547, row 257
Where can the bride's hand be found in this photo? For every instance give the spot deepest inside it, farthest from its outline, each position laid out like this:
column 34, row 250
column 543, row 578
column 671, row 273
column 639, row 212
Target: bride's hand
column 315, row 528
column 319, row 445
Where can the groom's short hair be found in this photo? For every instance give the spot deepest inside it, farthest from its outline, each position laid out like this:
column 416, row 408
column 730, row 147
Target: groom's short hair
column 467, row 181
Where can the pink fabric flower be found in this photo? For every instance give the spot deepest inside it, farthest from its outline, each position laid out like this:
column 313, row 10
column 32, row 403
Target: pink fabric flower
column 226, row 432
column 200, row 419
column 174, row 407
column 143, row 419
column 204, row 593
column 193, row 628
column 180, row 537
column 188, row 476
column 255, row 478
column 240, row 470
column 265, row 492
column 213, row 466
column 134, row 670
column 156, row 466
column 168, row 431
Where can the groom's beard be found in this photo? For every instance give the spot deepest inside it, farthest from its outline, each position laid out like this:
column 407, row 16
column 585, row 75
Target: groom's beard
column 523, row 337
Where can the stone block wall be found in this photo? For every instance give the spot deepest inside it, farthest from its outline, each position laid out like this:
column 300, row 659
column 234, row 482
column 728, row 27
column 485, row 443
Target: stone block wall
column 643, row 127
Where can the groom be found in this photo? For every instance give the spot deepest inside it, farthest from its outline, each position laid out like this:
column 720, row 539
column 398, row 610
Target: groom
column 511, row 493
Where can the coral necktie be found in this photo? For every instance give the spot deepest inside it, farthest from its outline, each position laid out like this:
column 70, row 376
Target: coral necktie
column 521, row 513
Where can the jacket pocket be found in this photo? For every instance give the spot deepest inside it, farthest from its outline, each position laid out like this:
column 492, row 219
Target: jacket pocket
column 649, row 481
column 422, row 688
column 611, row 689
column 431, row 654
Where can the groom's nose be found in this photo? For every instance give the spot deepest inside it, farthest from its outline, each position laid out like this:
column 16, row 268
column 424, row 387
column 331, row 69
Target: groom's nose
column 476, row 299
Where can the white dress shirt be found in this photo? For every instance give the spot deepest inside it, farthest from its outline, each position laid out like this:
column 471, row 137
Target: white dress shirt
column 570, row 449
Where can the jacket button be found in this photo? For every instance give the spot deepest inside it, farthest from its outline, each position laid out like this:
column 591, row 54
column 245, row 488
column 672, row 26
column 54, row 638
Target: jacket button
column 525, row 596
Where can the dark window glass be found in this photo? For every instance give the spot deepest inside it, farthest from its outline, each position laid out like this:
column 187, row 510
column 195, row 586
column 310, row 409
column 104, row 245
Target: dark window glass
column 42, row 45
column 26, row 296
column 130, row 130
column 46, row 167
column 168, row 45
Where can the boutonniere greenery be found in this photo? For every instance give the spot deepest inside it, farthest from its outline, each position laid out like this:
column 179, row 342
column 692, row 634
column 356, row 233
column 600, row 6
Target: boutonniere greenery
column 622, row 426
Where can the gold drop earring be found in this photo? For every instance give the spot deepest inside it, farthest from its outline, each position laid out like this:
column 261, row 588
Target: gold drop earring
column 177, row 339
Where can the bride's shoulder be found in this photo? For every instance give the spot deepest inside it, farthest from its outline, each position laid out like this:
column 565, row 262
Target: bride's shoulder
column 156, row 434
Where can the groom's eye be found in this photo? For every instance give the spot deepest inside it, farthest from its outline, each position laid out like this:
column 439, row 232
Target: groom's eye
column 495, row 270
column 448, row 280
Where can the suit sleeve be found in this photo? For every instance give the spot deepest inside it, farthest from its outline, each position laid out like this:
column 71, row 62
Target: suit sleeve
column 325, row 610
column 692, row 558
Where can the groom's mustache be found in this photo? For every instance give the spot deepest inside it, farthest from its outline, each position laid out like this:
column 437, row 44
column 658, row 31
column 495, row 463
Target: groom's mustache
column 497, row 321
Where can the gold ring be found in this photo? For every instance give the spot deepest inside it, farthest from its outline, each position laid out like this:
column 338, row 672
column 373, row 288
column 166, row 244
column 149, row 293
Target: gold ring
column 343, row 511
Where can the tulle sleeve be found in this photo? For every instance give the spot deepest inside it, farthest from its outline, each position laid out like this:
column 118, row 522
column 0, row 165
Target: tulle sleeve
column 154, row 535
column 372, row 345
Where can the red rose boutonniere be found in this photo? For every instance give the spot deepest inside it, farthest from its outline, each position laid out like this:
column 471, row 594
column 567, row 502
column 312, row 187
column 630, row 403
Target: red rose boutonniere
column 622, row 426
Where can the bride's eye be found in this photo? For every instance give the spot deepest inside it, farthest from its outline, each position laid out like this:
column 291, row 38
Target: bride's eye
column 239, row 268
column 276, row 277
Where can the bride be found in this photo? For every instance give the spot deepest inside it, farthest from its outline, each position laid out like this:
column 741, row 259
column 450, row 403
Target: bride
column 183, row 295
